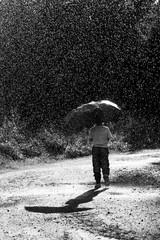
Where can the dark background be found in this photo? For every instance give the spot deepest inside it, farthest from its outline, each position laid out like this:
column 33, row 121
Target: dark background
column 56, row 55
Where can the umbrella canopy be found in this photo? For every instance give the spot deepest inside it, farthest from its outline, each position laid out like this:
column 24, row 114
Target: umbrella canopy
column 84, row 116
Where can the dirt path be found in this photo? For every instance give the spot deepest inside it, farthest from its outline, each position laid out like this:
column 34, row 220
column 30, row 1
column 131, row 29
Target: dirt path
column 58, row 200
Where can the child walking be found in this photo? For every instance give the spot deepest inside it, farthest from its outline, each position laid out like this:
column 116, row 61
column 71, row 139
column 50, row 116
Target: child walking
column 100, row 135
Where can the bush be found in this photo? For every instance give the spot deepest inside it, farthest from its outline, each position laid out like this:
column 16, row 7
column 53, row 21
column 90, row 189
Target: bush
column 8, row 150
column 77, row 151
column 14, row 143
column 129, row 133
column 141, row 132
column 118, row 143
column 52, row 140
column 10, row 139
column 78, row 145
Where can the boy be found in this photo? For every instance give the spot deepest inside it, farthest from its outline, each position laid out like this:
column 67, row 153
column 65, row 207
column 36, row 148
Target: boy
column 100, row 136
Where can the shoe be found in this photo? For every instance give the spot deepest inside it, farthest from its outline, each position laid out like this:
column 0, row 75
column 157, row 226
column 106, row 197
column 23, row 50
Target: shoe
column 106, row 181
column 98, row 185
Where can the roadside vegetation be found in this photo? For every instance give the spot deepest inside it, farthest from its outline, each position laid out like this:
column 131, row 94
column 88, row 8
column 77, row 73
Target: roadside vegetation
column 129, row 134
column 56, row 55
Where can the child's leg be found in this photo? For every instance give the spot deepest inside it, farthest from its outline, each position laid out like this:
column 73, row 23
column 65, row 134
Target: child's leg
column 96, row 164
column 105, row 164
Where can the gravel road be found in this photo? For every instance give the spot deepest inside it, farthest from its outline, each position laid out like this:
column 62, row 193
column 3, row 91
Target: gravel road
column 57, row 200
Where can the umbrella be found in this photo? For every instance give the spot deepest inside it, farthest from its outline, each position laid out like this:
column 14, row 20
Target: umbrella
column 84, row 115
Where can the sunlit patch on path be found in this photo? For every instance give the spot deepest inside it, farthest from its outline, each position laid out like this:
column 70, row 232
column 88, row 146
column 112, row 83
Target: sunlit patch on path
column 60, row 200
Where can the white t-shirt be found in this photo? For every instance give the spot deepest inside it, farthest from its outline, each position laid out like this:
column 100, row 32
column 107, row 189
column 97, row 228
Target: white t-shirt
column 100, row 135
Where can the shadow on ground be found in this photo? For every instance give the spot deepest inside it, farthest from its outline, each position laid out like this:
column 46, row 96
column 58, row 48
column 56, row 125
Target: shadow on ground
column 71, row 205
column 144, row 177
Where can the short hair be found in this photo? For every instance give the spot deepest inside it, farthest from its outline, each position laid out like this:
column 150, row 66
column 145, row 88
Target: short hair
column 98, row 116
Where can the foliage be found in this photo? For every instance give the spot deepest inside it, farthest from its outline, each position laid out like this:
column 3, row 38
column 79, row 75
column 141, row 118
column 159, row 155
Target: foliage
column 14, row 143
column 56, row 55
column 119, row 143
column 53, row 141
column 78, row 145
column 142, row 133
column 9, row 139
column 129, row 134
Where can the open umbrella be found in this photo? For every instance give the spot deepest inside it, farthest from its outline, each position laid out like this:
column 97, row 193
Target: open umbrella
column 83, row 116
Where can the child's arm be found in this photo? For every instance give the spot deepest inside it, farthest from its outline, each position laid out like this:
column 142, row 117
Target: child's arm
column 109, row 135
column 90, row 137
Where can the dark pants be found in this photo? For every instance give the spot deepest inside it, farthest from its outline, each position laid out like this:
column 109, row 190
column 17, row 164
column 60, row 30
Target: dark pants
column 100, row 161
